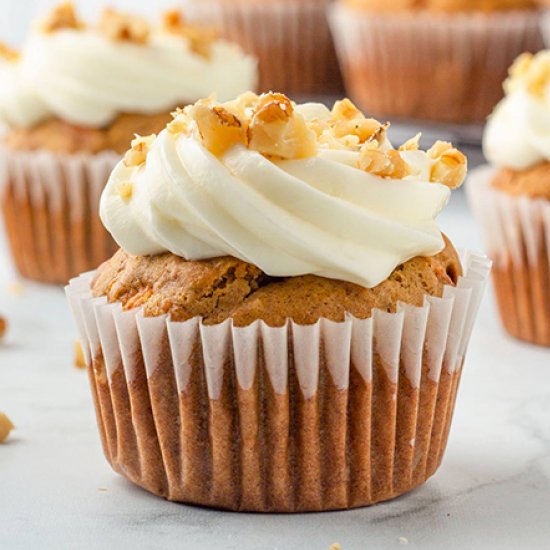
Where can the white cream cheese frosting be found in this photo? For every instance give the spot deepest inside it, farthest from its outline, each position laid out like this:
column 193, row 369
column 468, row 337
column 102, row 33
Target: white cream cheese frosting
column 317, row 215
column 517, row 134
column 87, row 78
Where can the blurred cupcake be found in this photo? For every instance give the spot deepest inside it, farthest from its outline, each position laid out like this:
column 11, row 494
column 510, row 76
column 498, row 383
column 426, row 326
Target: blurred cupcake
column 432, row 60
column 512, row 199
column 284, row 328
column 73, row 100
column 291, row 39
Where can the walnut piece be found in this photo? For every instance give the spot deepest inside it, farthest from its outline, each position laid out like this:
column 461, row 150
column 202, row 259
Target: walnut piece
column 8, row 54
column 6, row 427
column 79, row 361
column 62, row 16
column 137, row 154
column 200, row 39
column 123, row 27
column 3, row 327
column 125, row 190
column 531, row 72
column 412, row 144
column 276, row 130
column 218, row 128
column 449, row 165
column 386, row 164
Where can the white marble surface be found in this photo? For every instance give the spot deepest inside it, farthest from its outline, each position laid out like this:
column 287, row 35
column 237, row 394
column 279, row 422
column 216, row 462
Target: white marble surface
column 57, row 491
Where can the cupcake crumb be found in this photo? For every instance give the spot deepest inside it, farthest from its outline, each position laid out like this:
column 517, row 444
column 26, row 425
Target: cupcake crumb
column 403, row 541
column 79, row 361
column 335, row 546
column 3, row 327
column 6, row 426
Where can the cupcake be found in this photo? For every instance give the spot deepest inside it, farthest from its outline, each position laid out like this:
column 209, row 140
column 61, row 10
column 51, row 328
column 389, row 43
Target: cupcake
column 431, row 60
column 73, row 100
column 284, row 327
column 290, row 38
column 512, row 199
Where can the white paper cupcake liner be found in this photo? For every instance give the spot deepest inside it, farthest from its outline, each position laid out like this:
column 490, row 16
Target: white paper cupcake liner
column 433, row 67
column 291, row 40
column 517, row 233
column 50, row 204
column 295, row 418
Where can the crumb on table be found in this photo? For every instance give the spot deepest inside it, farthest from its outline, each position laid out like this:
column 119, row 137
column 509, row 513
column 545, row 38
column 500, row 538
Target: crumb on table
column 6, row 426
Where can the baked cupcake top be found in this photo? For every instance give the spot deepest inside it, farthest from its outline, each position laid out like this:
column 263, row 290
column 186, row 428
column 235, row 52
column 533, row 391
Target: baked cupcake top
column 517, row 135
column 89, row 74
column 291, row 189
column 442, row 5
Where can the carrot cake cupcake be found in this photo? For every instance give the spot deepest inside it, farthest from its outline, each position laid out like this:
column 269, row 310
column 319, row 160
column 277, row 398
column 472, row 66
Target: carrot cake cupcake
column 512, row 198
column 284, row 326
column 432, row 60
column 290, row 38
column 73, row 99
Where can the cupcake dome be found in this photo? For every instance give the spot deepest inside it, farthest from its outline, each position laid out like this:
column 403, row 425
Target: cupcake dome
column 73, row 99
column 284, row 328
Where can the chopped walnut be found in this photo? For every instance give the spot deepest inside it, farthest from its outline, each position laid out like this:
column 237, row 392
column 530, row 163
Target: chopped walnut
column 449, row 165
column 412, row 144
column 387, row 164
column 123, row 27
column 348, row 120
column 218, row 128
column 530, row 71
column 79, row 361
column 276, row 130
column 6, row 427
column 125, row 190
column 200, row 38
column 3, row 327
column 140, row 146
column 62, row 16
column 179, row 123
column 8, row 54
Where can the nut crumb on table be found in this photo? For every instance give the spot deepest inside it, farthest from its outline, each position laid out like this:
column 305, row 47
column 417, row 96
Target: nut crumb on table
column 6, row 426
column 79, row 361
column 3, row 327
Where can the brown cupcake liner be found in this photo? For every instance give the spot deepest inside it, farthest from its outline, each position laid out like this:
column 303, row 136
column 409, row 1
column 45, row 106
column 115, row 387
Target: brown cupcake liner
column 432, row 67
column 291, row 40
column 517, row 233
column 50, row 204
column 297, row 418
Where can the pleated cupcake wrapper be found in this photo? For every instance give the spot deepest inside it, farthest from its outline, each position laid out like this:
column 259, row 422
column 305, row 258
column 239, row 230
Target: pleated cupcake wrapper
column 295, row 418
column 444, row 68
column 517, row 233
column 50, row 204
column 291, row 40
column 545, row 26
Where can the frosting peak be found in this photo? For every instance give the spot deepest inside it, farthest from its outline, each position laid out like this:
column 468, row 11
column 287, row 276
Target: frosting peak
column 517, row 134
column 292, row 189
column 88, row 74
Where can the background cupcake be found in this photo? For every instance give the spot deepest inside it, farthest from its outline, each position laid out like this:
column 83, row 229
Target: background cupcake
column 73, row 99
column 436, row 60
column 512, row 199
column 291, row 39
column 285, row 326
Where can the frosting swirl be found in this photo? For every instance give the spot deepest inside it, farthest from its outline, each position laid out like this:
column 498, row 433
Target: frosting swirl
column 517, row 134
column 320, row 214
column 86, row 77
